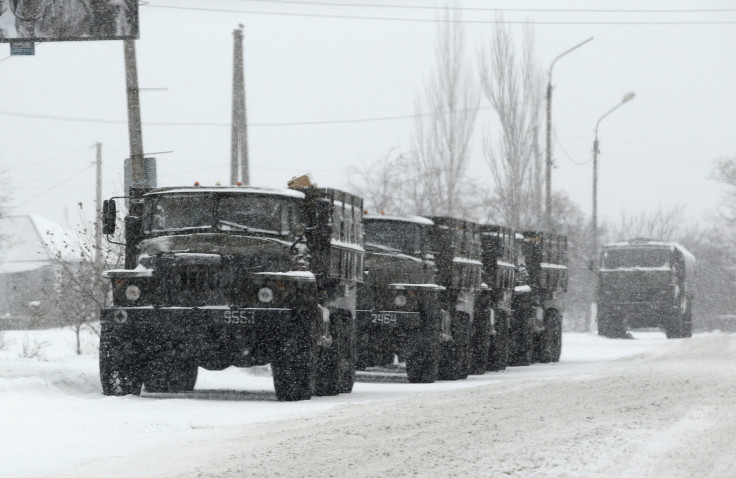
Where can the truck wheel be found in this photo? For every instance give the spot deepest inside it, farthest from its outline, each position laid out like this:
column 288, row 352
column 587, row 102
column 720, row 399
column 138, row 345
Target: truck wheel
column 480, row 339
column 673, row 327
column 119, row 367
column 687, row 323
column 498, row 355
column 365, row 353
column 294, row 362
column 423, row 350
column 331, row 360
column 548, row 343
column 611, row 325
column 348, row 358
column 523, row 339
column 168, row 372
column 455, row 353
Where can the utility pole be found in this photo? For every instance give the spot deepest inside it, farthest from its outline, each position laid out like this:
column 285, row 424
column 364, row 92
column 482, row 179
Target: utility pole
column 135, row 131
column 98, row 206
column 239, row 132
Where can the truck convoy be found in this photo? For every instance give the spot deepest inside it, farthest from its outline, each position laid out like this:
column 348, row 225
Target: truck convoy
column 243, row 276
column 645, row 283
column 538, row 300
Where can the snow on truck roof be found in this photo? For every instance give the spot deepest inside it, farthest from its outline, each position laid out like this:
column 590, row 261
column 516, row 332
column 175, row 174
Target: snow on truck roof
column 651, row 243
column 415, row 219
column 228, row 189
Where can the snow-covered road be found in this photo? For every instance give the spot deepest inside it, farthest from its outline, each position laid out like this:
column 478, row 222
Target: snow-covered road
column 647, row 407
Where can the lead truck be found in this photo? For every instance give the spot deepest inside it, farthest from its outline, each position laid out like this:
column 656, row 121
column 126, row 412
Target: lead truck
column 243, row 276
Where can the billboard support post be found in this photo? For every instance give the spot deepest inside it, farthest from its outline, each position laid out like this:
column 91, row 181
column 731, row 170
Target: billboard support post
column 135, row 132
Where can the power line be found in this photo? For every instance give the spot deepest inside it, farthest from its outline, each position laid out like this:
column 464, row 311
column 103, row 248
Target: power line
column 486, row 9
column 559, row 143
column 228, row 125
column 55, row 186
column 447, row 20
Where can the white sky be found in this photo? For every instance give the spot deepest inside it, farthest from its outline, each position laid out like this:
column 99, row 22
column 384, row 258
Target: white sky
column 656, row 150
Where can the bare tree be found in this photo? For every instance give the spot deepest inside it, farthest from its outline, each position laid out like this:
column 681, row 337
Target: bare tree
column 663, row 223
column 442, row 138
column 383, row 184
column 80, row 290
column 515, row 90
column 724, row 171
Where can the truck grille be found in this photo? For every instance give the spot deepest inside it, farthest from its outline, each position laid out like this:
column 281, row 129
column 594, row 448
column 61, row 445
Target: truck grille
column 194, row 285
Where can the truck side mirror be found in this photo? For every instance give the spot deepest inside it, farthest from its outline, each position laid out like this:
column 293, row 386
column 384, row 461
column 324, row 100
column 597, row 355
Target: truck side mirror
column 109, row 216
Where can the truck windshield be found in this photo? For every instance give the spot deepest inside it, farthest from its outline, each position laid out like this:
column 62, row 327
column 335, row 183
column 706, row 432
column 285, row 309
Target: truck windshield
column 394, row 235
column 272, row 214
column 632, row 257
column 175, row 212
column 236, row 212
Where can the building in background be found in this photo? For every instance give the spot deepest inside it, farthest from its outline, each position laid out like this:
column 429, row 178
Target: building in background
column 28, row 269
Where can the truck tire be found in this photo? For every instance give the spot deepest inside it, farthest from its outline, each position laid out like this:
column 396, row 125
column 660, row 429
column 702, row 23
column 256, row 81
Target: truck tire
column 294, row 362
column 673, row 327
column 120, row 372
column 455, row 353
column 498, row 355
column 423, row 350
column 167, row 371
column 687, row 323
column 548, row 344
column 523, row 340
column 333, row 358
column 611, row 325
column 480, row 338
column 347, row 379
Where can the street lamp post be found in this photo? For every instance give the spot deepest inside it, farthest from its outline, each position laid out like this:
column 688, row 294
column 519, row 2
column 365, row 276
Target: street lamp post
column 548, row 178
column 594, row 229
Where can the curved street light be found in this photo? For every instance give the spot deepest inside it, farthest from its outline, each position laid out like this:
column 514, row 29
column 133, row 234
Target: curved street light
column 627, row 97
column 594, row 252
column 548, row 172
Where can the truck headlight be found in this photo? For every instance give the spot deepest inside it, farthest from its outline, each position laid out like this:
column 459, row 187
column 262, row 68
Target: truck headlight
column 265, row 295
column 400, row 300
column 132, row 292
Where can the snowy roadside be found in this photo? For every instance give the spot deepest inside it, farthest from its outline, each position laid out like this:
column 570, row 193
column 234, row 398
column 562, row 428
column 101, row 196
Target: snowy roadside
column 56, row 422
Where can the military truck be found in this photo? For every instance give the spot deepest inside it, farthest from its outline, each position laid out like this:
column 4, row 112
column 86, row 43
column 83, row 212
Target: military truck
column 399, row 303
column 455, row 245
column 499, row 275
column 645, row 283
column 244, row 276
column 538, row 301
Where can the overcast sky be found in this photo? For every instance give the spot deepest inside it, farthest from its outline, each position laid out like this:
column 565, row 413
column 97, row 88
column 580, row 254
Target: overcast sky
column 304, row 64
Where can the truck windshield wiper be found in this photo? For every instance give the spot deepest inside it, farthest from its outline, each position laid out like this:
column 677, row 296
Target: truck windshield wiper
column 244, row 228
column 381, row 247
column 236, row 225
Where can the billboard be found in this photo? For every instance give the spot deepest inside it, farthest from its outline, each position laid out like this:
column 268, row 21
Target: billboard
column 62, row 20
